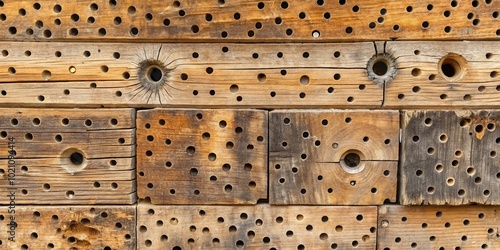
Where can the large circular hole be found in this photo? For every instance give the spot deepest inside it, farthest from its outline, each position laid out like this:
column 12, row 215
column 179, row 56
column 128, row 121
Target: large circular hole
column 452, row 67
column 76, row 158
column 352, row 161
column 380, row 68
column 155, row 74
column 73, row 160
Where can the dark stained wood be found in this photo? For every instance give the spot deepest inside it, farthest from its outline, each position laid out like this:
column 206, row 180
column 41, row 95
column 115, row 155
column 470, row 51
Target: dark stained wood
column 450, row 157
column 68, row 156
column 188, row 156
column 435, row 227
column 249, row 21
column 311, row 156
column 256, row 227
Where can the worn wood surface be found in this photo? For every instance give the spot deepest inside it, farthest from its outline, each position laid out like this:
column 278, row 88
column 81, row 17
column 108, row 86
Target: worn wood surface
column 256, row 227
column 333, row 156
column 269, row 20
column 67, row 156
column 450, row 157
column 188, row 156
column 438, row 227
column 69, row 227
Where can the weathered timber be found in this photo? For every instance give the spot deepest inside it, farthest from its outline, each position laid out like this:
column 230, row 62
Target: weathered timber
column 438, row 227
column 450, row 157
column 333, row 156
column 256, row 227
column 269, row 20
column 188, row 156
column 69, row 227
column 68, row 156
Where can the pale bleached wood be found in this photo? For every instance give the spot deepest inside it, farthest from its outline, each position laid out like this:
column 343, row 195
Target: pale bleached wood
column 248, row 20
column 184, row 156
column 308, row 151
column 46, row 142
column 434, row 227
column 67, row 227
column 256, row 227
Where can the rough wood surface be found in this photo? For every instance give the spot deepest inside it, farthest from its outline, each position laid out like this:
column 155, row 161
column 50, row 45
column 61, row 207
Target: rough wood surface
column 256, row 227
column 333, row 156
column 450, row 157
column 269, row 20
column 68, row 156
column 188, row 156
column 70, row 227
column 438, row 227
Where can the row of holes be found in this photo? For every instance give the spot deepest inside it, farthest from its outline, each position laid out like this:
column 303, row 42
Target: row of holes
column 65, row 122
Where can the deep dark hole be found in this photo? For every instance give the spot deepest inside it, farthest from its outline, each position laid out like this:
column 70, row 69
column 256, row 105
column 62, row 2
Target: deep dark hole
column 155, row 74
column 76, row 158
column 448, row 70
column 352, row 160
column 380, row 68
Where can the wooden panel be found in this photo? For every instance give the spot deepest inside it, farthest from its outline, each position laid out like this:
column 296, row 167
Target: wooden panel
column 256, row 227
column 67, row 156
column 450, row 158
column 68, row 227
column 202, row 156
column 144, row 75
column 269, row 20
column 452, row 74
column 333, row 156
column 438, row 227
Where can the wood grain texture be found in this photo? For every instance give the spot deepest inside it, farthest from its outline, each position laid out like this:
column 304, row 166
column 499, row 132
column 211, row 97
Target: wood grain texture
column 450, row 158
column 111, row 75
column 269, row 20
column 438, row 227
column 256, row 227
column 333, row 156
column 70, row 227
column 188, row 156
column 68, row 156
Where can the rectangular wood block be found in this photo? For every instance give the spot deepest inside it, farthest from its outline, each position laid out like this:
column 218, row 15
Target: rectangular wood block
column 68, row 227
column 256, row 227
column 450, row 157
column 333, row 156
column 438, row 227
column 188, row 156
column 248, row 20
column 183, row 74
column 67, row 156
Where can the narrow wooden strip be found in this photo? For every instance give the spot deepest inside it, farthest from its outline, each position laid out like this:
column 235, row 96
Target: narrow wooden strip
column 269, row 20
column 188, row 156
column 65, row 227
column 261, row 226
column 434, row 227
column 333, row 156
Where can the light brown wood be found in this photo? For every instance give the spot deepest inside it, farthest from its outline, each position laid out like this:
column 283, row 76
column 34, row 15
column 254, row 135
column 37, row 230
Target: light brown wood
column 333, row 157
column 69, row 227
column 68, row 156
column 256, row 227
column 268, row 20
column 188, row 156
column 450, row 157
column 434, row 227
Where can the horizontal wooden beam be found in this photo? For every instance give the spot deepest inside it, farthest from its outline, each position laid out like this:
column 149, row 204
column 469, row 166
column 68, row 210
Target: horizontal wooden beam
column 255, row 20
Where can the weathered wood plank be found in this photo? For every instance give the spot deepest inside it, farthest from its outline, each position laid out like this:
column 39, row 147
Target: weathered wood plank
column 68, row 156
column 269, row 20
column 187, row 156
column 270, row 75
column 333, row 157
column 438, row 227
column 70, row 227
column 451, row 74
column 450, row 158
column 256, row 227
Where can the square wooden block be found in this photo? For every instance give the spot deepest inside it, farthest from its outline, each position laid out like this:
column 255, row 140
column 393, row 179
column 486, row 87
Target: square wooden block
column 188, row 156
column 450, row 157
column 333, row 156
column 67, row 156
